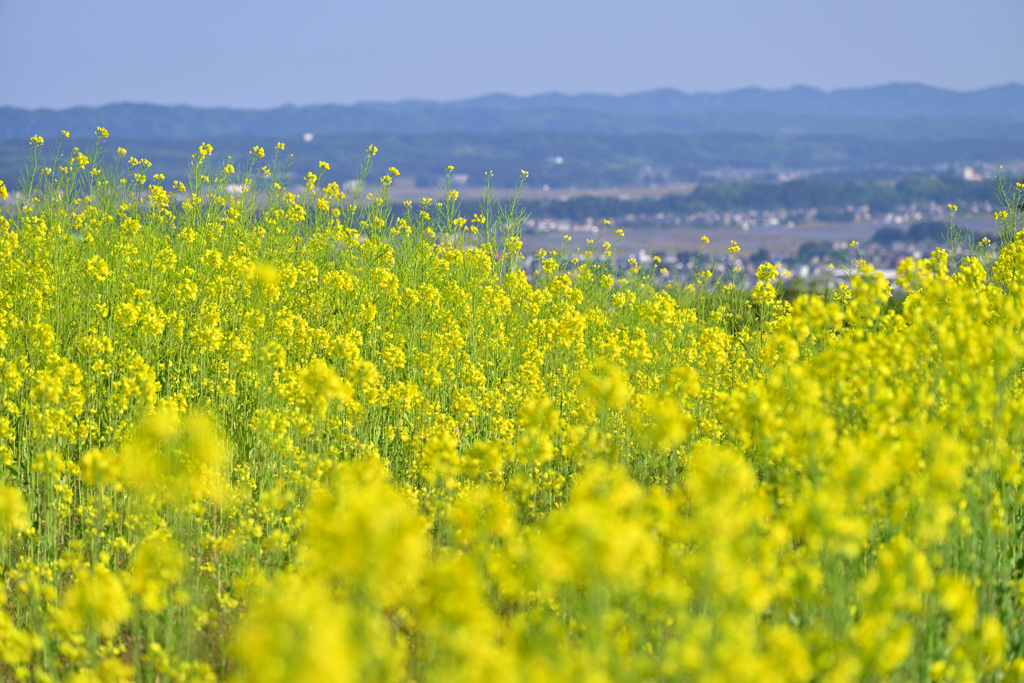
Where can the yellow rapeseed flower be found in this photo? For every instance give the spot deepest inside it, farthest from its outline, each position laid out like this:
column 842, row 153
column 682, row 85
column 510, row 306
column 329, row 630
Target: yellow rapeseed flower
column 14, row 516
column 436, row 465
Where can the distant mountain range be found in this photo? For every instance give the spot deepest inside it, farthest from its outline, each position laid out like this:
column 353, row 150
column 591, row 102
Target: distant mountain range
column 886, row 101
column 901, row 112
column 650, row 138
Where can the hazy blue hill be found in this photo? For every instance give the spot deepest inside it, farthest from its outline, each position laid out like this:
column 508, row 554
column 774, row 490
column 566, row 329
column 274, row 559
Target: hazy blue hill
column 887, row 101
column 650, row 137
column 906, row 100
column 892, row 112
column 895, row 100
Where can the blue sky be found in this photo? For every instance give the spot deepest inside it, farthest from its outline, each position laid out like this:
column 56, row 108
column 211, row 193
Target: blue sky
column 260, row 54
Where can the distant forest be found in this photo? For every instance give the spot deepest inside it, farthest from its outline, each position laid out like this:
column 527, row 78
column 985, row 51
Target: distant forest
column 563, row 160
column 883, row 146
column 604, row 161
column 831, row 198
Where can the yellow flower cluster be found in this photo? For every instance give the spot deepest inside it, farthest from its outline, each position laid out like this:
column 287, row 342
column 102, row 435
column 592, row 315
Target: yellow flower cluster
column 260, row 436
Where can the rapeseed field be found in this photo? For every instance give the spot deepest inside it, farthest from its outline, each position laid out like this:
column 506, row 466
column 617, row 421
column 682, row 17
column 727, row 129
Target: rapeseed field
column 257, row 435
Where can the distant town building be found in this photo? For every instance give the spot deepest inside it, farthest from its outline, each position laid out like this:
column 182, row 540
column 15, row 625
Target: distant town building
column 972, row 174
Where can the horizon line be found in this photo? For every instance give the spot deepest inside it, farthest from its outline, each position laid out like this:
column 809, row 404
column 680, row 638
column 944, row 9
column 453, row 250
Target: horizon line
column 549, row 93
